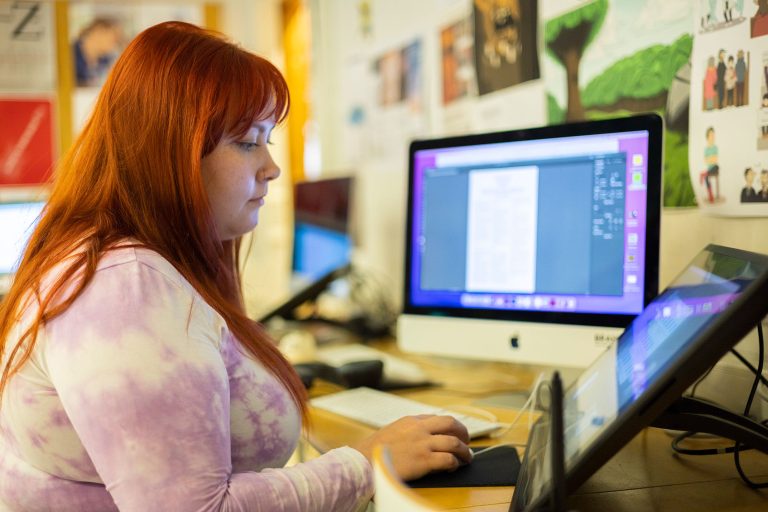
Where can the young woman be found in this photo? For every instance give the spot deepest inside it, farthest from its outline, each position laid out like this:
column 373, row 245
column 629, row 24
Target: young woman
column 132, row 379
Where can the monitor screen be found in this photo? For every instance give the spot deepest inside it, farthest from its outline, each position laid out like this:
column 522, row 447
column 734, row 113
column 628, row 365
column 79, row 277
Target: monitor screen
column 554, row 225
column 17, row 221
column 707, row 309
column 322, row 240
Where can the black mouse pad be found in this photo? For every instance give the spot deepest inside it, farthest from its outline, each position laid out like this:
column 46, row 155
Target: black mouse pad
column 497, row 467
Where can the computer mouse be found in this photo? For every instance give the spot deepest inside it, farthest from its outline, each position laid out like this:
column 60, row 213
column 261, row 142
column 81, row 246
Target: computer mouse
column 361, row 373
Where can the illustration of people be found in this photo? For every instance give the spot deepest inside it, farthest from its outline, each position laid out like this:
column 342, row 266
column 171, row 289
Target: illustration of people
column 741, row 73
column 764, row 116
column 730, row 82
column 95, row 49
column 710, row 78
column 748, row 193
column 728, row 11
column 720, row 84
column 713, row 166
column 762, row 196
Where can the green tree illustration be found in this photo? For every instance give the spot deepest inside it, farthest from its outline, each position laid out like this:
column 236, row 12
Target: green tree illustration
column 566, row 38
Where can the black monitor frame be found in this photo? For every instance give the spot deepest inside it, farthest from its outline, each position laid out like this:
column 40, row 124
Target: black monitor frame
column 663, row 404
column 652, row 123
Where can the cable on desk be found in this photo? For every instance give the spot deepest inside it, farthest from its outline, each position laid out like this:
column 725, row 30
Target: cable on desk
column 529, row 406
column 748, row 406
column 737, row 447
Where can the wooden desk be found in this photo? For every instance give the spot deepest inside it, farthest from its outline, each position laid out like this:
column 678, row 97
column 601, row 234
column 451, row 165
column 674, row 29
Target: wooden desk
column 645, row 475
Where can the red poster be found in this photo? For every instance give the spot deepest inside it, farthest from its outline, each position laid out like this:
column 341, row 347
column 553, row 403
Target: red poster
column 26, row 141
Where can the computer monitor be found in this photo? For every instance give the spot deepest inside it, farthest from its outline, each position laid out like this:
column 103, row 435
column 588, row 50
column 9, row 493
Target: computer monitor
column 17, row 221
column 535, row 246
column 321, row 236
column 322, row 240
column 717, row 299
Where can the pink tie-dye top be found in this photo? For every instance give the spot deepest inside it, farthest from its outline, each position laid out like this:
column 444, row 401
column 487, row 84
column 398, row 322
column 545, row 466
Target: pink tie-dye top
column 138, row 398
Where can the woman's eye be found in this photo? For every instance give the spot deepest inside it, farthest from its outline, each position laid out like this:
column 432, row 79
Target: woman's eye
column 247, row 146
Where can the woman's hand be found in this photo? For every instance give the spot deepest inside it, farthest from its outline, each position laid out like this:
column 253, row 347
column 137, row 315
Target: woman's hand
column 421, row 444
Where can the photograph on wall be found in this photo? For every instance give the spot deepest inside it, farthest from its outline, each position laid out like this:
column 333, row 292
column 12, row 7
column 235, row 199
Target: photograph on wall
column 729, row 168
column 719, row 14
column 457, row 47
column 96, row 47
column 594, row 69
column 506, row 52
column 399, row 74
column 26, row 141
column 726, row 80
column 99, row 32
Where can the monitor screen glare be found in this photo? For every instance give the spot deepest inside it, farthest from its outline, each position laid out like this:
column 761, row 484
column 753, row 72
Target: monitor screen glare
column 17, row 221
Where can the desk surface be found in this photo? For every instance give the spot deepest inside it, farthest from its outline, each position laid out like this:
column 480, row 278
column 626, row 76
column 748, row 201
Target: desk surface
column 645, row 475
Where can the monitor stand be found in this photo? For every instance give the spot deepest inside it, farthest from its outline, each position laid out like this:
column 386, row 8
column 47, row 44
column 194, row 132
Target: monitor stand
column 697, row 415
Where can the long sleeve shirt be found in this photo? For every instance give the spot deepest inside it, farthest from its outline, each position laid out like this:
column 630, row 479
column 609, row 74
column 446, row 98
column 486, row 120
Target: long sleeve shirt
column 139, row 398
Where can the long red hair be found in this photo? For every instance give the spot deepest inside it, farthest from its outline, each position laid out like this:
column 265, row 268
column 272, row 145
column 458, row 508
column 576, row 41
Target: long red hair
column 134, row 172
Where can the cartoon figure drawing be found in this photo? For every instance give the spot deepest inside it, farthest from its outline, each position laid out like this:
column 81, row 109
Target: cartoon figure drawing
column 764, row 116
column 713, row 167
column 741, row 73
column 748, row 193
column 762, row 196
column 710, row 79
column 720, row 84
column 730, row 82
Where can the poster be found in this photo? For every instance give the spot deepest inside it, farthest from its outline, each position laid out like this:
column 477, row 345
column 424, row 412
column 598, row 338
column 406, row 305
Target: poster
column 597, row 67
column 729, row 88
column 26, row 141
column 27, row 51
column 506, row 52
column 457, row 48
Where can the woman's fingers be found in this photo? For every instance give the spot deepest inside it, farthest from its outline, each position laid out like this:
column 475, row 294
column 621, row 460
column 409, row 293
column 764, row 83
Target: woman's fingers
column 447, row 425
column 452, row 445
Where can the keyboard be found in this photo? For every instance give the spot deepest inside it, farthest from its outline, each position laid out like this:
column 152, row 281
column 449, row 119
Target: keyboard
column 377, row 409
column 396, row 370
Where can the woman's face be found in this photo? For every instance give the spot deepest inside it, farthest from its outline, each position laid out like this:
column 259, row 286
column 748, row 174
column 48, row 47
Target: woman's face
column 235, row 176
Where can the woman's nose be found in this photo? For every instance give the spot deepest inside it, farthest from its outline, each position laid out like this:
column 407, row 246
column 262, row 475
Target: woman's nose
column 270, row 171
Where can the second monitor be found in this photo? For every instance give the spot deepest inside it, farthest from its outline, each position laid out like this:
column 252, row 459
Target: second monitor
column 535, row 246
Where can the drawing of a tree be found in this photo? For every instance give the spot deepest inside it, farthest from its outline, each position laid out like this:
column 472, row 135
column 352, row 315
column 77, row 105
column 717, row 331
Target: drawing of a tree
column 566, row 38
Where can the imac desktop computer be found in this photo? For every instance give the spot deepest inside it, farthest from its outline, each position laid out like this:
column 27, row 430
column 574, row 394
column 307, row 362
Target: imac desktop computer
column 17, row 221
column 534, row 246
